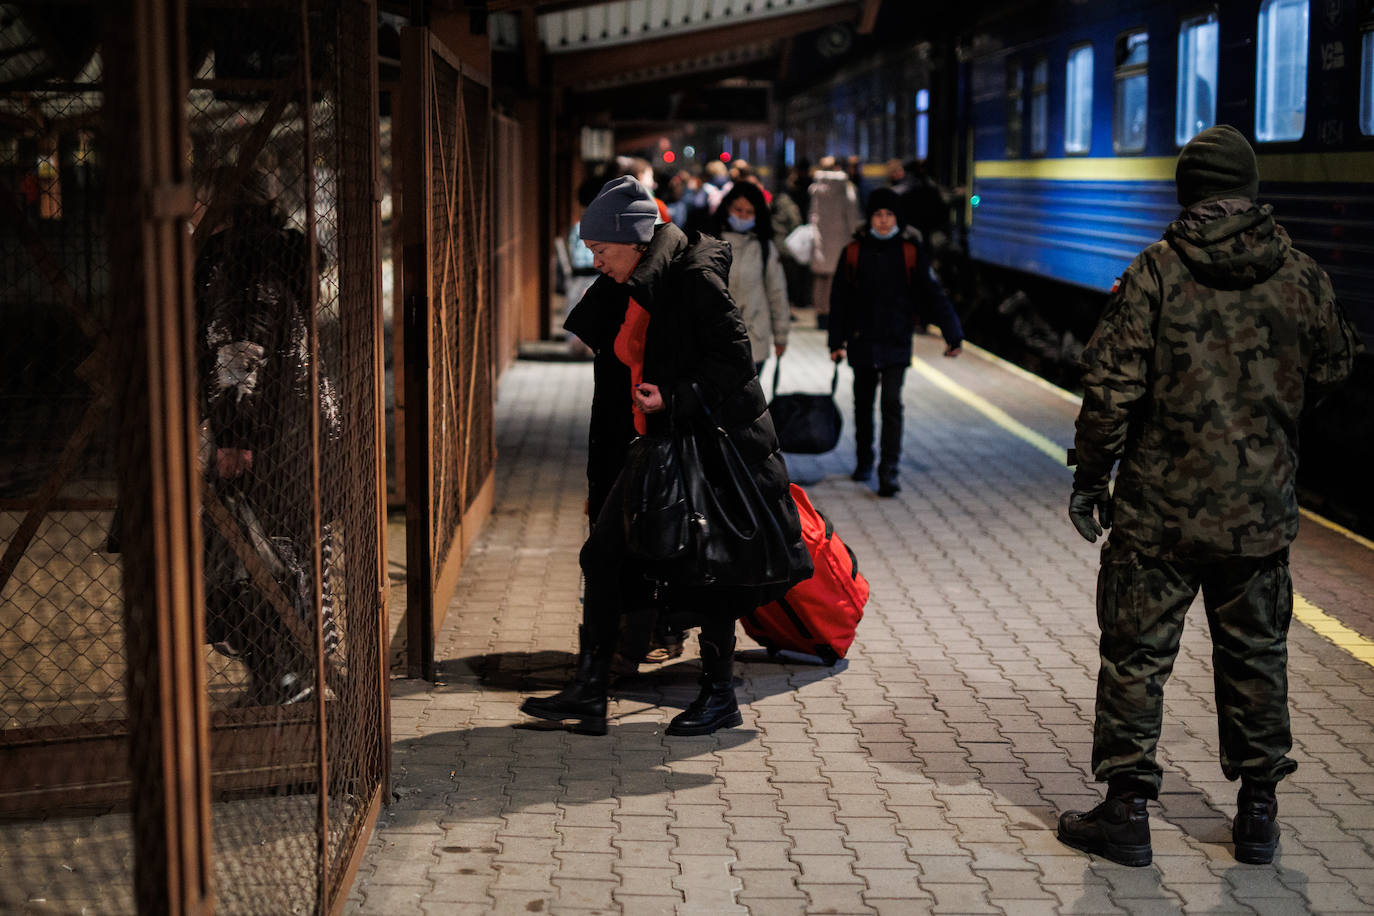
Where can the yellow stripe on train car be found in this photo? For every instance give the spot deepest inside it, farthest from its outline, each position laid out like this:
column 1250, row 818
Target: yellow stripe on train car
column 1301, row 167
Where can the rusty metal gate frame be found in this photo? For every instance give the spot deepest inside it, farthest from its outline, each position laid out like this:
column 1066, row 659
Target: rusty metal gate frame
column 143, row 368
column 445, row 462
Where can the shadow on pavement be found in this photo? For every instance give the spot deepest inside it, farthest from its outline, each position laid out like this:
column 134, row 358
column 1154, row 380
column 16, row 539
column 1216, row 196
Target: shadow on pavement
column 529, row 778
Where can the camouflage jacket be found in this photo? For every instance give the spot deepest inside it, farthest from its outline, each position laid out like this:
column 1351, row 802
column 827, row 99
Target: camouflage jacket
column 1209, row 346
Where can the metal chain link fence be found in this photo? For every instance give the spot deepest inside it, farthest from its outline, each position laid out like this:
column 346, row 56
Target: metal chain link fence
column 281, row 118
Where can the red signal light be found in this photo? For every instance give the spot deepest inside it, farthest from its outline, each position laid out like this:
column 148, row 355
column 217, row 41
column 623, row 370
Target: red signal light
column 724, row 157
column 669, row 156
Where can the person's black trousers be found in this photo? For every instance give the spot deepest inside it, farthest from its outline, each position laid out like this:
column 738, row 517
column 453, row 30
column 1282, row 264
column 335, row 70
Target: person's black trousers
column 866, row 384
column 1141, row 605
column 615, row 583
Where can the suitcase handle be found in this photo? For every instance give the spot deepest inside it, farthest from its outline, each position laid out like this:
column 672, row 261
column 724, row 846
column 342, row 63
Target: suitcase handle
column 777, row 370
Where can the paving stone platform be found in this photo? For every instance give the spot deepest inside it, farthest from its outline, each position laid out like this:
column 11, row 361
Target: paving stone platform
column 923, row 774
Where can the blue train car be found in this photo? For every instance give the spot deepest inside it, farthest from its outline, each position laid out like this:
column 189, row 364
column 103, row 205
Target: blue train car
column 1077, row 115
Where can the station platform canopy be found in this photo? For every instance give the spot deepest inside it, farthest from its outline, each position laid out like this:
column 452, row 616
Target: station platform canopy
column 598, row 46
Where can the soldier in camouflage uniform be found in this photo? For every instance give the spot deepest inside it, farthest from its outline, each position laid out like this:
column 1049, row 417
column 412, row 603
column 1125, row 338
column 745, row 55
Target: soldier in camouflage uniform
column 1209, row 346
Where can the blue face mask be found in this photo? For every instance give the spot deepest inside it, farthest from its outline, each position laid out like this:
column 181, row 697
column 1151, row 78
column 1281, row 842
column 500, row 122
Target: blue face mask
column 740, row 225
column 883, row 235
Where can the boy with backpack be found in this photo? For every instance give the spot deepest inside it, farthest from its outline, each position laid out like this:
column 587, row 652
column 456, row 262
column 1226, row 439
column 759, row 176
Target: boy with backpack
column 883, row 285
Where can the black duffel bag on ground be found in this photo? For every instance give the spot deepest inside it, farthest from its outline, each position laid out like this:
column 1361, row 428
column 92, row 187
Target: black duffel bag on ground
column 807, row 424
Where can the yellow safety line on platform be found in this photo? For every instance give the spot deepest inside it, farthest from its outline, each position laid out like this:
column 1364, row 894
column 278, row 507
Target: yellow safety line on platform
column 1327, row 523
column 1017, row 371
column 1323, row 624
column 1057, row 453
column 1075, row 399
column 1309, row 614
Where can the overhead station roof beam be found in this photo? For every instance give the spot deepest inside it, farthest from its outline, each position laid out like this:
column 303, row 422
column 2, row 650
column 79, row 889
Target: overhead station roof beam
column 602, row 61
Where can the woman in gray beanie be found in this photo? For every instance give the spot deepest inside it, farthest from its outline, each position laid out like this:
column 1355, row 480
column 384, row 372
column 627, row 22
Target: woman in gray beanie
column 663, row 326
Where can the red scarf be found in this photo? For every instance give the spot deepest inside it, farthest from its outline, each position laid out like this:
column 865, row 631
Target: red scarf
column 629, row 349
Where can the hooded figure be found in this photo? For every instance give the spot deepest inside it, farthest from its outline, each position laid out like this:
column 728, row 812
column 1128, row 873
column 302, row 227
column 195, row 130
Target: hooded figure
column 883, row 285
column 1209, row 347
column 663, row 326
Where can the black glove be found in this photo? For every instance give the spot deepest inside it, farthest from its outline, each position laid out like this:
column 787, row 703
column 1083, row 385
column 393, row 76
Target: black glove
column 1081, row 505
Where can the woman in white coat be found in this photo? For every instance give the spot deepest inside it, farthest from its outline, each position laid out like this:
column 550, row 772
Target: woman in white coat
column 757, row 281
column 836, row 213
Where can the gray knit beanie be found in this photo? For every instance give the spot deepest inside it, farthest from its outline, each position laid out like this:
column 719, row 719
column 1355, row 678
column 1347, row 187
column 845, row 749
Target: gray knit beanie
column 1217, row 163
column 623, row 212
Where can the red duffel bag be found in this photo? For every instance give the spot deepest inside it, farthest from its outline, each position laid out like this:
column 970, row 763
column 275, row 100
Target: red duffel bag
column 819, row 615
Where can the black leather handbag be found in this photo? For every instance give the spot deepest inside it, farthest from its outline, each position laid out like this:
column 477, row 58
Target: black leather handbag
column 734, row 536
column 807, row 424
column 655, row 499
column 693, row 512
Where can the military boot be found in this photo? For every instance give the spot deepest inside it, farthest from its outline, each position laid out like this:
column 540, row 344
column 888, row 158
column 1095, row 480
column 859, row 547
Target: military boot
column 584, row 699
column 1118, row 829
column 1255, row 831
column 715, row 706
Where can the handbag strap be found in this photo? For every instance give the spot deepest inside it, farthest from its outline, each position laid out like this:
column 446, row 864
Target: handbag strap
column 777, row 371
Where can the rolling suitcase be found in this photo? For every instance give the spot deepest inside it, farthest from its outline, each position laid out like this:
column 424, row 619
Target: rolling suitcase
column 819, row 615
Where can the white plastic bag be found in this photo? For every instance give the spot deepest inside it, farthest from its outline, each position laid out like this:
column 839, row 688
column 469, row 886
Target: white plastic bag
column 800, row 241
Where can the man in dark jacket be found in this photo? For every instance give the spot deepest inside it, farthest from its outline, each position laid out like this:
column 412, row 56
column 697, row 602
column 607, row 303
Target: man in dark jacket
column 667, row 338
column 1210, row 345
column 883, row 285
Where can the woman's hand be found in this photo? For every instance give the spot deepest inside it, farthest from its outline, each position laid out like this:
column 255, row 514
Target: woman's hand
column 837, row 355
column 647, row 397
column 779, row 349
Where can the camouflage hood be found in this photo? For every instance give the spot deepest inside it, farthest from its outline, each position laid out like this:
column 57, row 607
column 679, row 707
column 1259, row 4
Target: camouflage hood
column 1229, row 244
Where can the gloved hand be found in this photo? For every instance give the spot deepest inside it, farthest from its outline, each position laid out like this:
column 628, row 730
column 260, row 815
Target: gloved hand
column 1081, row 505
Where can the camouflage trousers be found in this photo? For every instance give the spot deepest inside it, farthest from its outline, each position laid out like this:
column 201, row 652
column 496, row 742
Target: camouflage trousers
column 1141, row 604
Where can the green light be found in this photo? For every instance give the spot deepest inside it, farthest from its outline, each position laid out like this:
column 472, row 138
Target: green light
column 975, row 200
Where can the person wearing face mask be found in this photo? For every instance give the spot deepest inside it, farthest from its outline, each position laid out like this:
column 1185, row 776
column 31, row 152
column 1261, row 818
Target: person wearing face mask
column 757, row 282
column 883, row 286
column 668, row 341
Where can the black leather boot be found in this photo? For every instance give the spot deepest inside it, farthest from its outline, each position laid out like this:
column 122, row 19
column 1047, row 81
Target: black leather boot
column 1118, row 829
column 887, row 481
column 1255, row 831
column 584, row 699
column 715, row 706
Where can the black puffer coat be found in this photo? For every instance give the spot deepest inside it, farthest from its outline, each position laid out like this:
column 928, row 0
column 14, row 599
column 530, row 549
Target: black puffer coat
column 874, row 308
column 696, row 335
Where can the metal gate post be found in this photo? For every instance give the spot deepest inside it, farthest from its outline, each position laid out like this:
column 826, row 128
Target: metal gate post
column 149, row 201
column 415, row 98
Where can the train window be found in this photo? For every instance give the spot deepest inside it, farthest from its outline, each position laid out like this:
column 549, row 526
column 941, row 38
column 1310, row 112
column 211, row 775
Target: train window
column 1367, row 82
column 922, row 123
column 1281, row 70
column 1196, row 108
column 1078, row 106
column 1040, row 107
column 1129, row 76
column 1015, row 77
